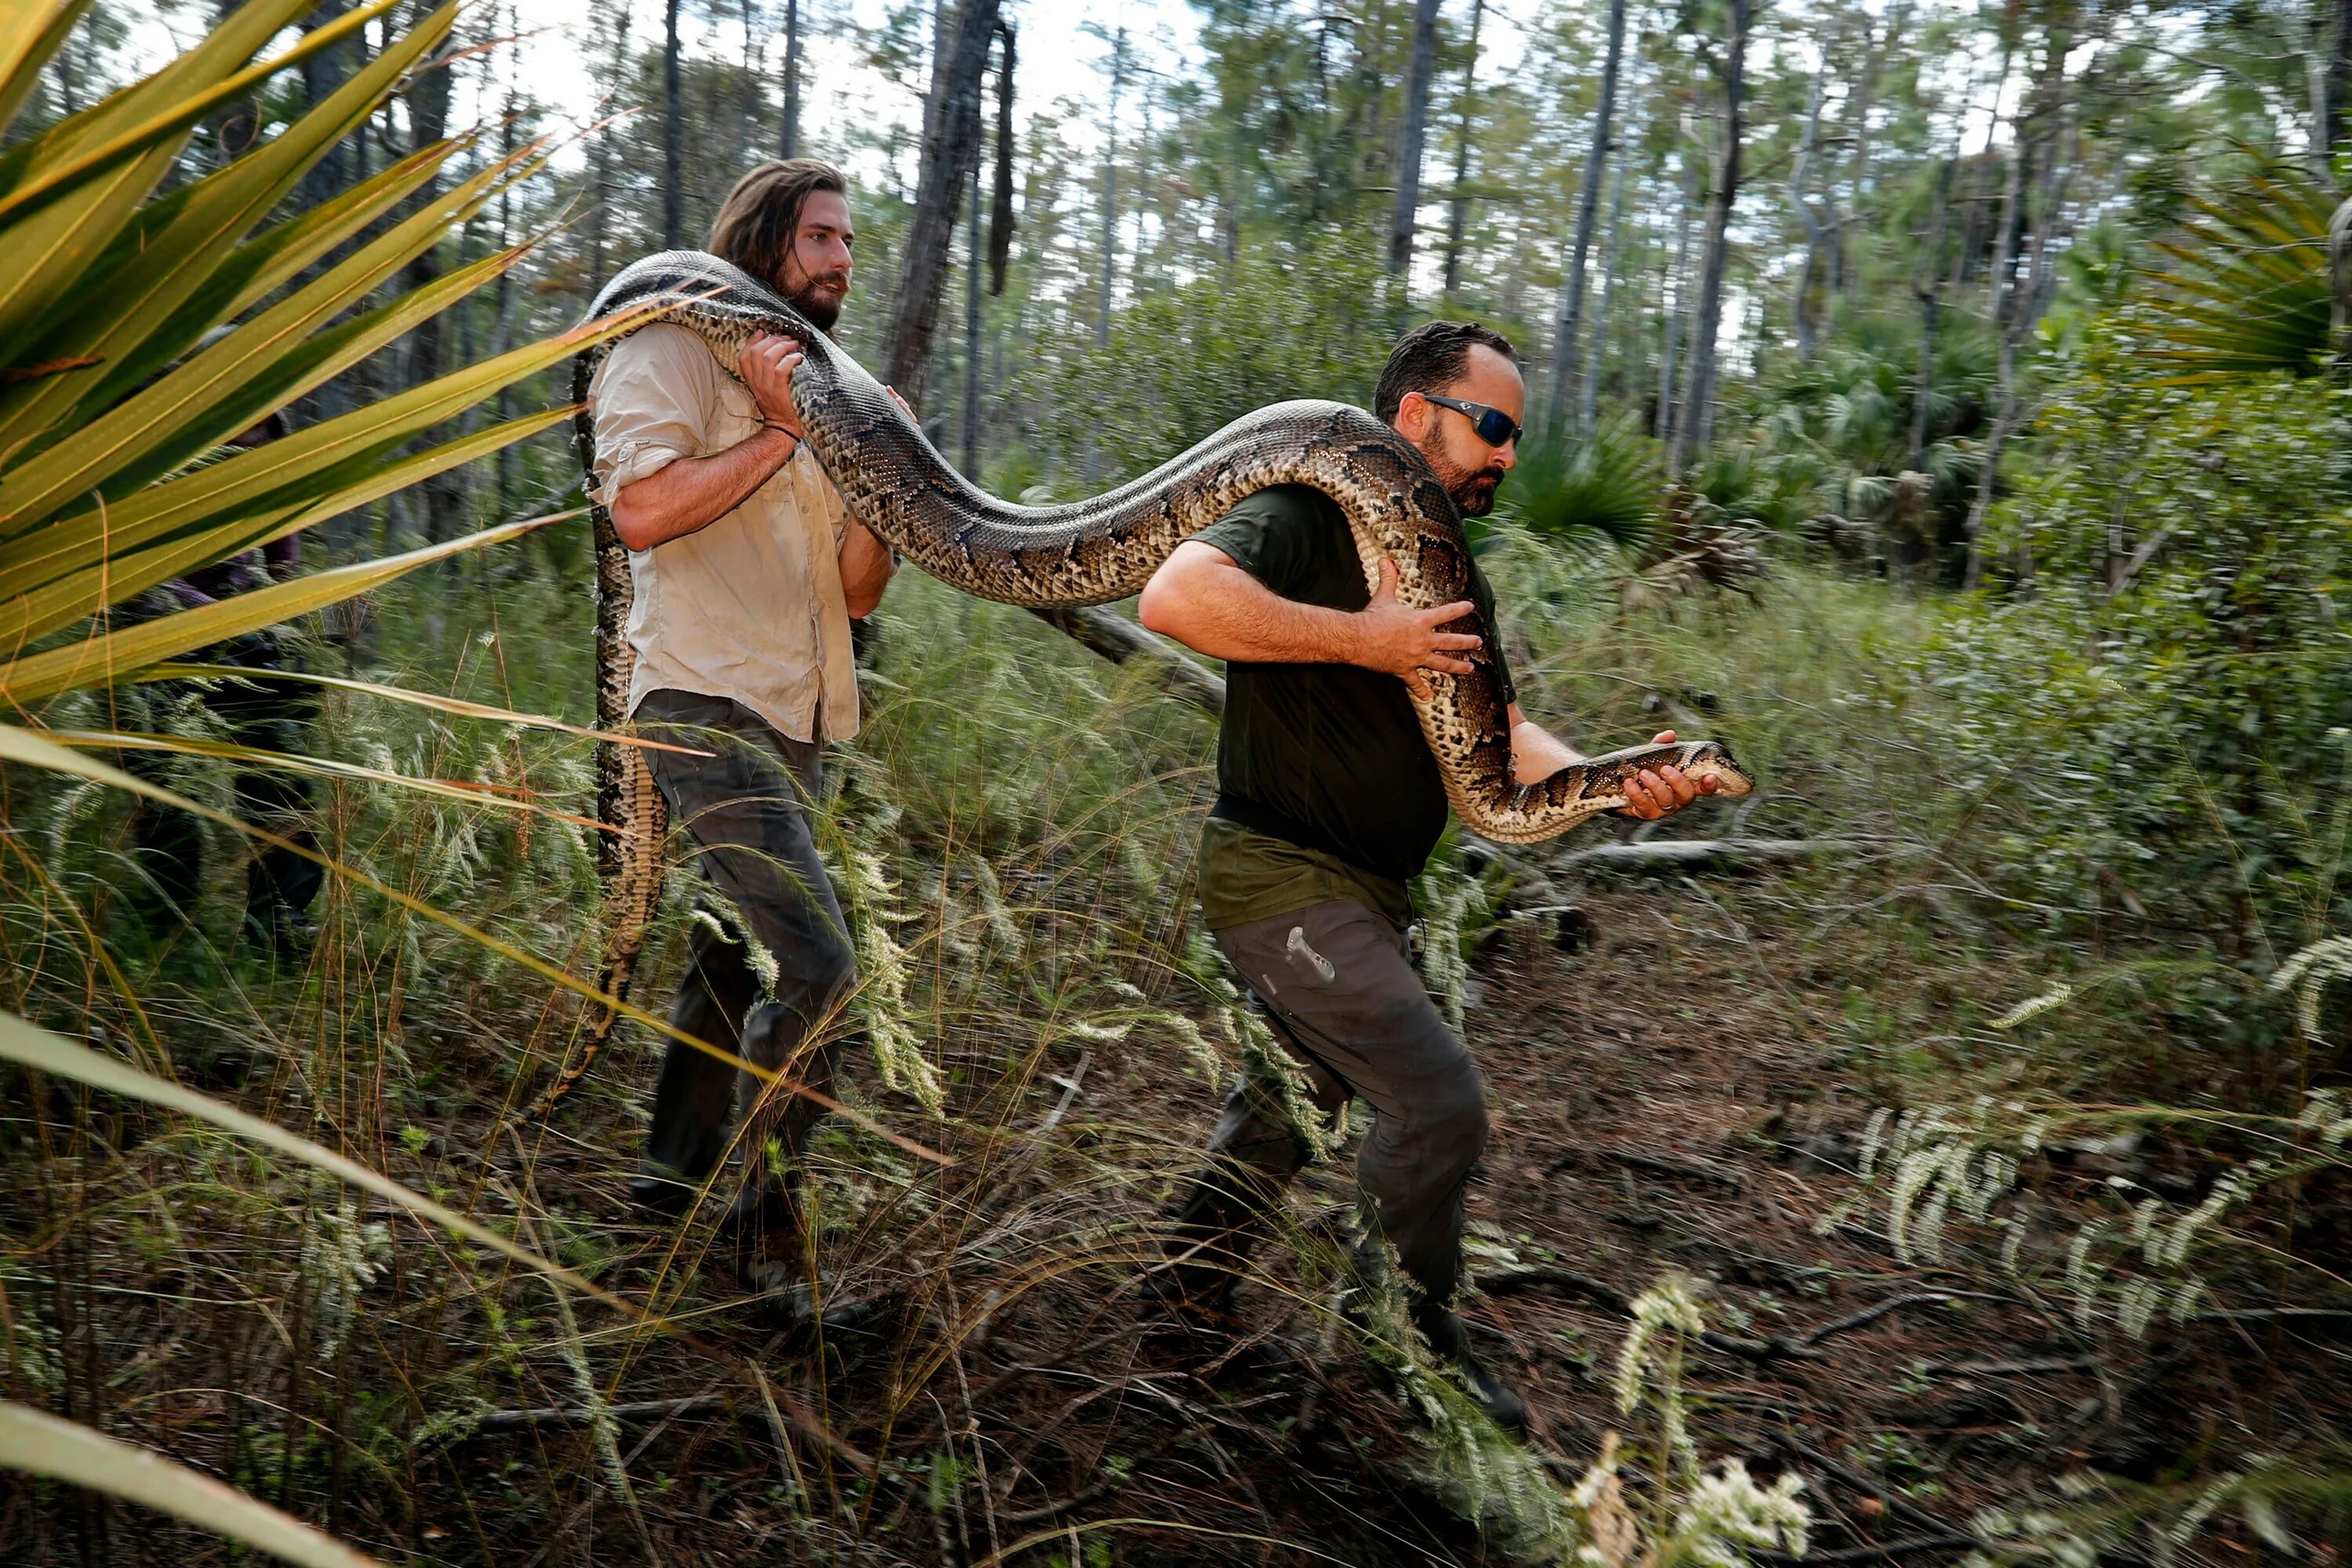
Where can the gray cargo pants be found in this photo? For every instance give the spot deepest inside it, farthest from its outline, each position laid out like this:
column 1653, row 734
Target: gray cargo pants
column 747, row 811
column 1337, row 983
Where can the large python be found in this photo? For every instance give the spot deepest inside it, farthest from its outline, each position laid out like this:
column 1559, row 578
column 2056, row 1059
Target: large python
column 1086, row 552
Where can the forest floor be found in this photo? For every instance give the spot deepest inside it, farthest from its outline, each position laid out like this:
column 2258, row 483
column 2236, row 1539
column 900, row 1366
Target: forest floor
column 1674, row 1095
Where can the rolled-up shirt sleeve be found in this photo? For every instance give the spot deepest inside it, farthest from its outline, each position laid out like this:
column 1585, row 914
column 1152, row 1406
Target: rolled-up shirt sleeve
column 652, row 405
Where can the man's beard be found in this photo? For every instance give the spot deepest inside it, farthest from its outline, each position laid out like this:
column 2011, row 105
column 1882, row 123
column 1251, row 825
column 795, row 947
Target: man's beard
column 819, row 300
column 1473, row 490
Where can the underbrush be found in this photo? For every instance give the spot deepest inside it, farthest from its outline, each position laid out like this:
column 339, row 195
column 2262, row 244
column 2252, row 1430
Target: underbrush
column 1022, row 818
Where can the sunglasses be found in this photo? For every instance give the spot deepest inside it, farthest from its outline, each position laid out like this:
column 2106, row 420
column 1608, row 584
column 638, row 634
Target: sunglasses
column 1493, row 425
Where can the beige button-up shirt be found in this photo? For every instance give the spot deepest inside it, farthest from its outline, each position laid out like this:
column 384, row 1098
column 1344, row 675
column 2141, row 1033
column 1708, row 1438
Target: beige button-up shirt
column 749, row 607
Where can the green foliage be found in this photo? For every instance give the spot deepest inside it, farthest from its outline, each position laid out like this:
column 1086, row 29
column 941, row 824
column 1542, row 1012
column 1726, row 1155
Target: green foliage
column 2155, row 718
column 1310, row 319
column 1607, row 487
column 2247, row 288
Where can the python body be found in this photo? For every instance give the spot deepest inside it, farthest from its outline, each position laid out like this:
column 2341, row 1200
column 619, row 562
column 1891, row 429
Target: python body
column 1086, row 552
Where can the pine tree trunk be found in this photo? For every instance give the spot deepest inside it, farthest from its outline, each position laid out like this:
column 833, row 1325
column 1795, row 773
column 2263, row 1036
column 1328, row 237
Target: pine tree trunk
column 971, row 255
column 788, row 145
column 950, row 151
column 1091, row 459
column 600, row 214
column 1416, row 121
column 1588, row 394
column 323, row 73
column 1458, row 214
column 1674, row 300
column 1843, row 272
column 2015, row 305
column 1927, row 289
column 1696, row 424
column 1802, row 304
column 2338, row 103
column 673, row 164
column 1566, row 352
column 443, row 495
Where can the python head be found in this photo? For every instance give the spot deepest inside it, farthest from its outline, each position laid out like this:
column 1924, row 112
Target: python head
column 1712, row 760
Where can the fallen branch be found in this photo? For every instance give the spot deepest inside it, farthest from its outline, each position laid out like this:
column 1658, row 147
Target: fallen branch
column 2005, row 1368
column 568, row 1415
column 1681, row 854
column 1119, row 639
column 1872, row 1315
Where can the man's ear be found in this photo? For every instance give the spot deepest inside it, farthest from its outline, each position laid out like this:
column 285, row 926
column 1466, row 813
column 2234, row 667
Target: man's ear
column 1412, row 417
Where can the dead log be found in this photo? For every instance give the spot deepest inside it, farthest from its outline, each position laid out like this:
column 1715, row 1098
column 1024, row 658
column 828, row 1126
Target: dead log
column 1119, row 639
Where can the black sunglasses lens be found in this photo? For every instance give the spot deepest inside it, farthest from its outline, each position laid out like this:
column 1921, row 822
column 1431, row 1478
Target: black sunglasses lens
column 1495, row 428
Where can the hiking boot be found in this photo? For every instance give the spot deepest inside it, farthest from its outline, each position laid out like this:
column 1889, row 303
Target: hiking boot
column 1451, row 1343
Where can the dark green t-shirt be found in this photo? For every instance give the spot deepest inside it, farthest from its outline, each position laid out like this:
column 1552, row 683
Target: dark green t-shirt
column 1327, row 756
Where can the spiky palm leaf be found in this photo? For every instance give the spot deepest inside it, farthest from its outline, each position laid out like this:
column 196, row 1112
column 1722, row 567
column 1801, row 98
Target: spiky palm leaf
column 2245, row 290
column 1606, row 489
column 114, row 406
column 116, row 398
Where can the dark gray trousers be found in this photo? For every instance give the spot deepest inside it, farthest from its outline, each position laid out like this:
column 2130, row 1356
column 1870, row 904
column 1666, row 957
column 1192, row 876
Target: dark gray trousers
column 1337, row 984
column 748, row 810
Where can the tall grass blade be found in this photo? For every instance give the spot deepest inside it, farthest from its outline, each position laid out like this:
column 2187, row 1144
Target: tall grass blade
column 108, row 654
column 42, row 1445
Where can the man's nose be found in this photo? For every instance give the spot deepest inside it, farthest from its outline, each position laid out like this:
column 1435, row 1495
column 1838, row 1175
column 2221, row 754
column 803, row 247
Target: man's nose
column 1506, row 456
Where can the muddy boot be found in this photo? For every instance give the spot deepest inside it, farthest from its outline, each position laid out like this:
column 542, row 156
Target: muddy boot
column 1451, row 1343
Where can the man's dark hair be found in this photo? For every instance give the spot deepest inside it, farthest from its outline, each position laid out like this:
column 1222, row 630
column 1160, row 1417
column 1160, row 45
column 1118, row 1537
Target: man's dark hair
column 761, row 216
column 1429, row 358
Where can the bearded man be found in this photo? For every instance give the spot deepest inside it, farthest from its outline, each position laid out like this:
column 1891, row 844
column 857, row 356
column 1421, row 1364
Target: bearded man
column 748, row 571
column 1328, row 803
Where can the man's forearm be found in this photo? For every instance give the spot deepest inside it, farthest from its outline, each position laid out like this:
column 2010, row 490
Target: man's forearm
column 1232, row 616
column 692, row 493
column 1535, row 752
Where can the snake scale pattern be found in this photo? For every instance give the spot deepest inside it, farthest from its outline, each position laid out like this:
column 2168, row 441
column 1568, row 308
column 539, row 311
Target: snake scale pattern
column 1085, row 553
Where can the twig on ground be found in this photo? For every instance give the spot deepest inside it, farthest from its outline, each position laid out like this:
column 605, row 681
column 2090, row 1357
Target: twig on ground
column 1872, row 1315
column 1684, row 854
column 2006, row 1368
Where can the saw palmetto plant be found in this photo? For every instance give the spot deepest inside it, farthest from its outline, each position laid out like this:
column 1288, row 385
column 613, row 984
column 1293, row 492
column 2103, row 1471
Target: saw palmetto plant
column 148, row 315
column 2244, row 288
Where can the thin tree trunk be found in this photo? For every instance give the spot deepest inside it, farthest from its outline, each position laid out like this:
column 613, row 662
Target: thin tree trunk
column 428, row 119
column 673, row 164
column 1966, row 251
column 1802, row 304
column 2338, row 99
column 1673, row 299
column 1845, row 271
column 323, row 73
column 1090, row 459
column 1458, row 216
column 600, row 214
column 788, row 143
column 2014, row 308
column 1416, row 121
column 1697, row 424
column 950, row 151
column 1927, row 289
column 1566, row 348
column 972, row 251
column 1588, row 392
column 1000, row 211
